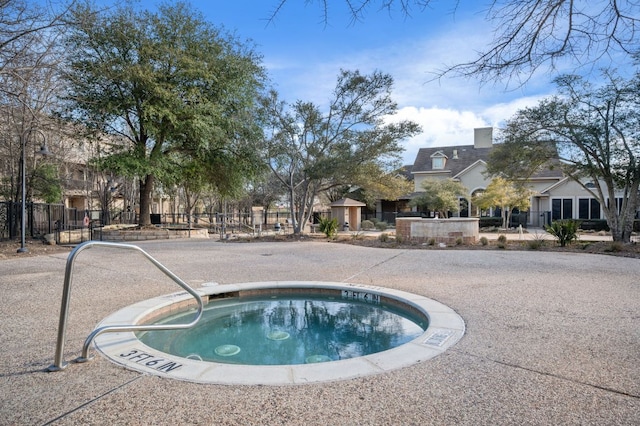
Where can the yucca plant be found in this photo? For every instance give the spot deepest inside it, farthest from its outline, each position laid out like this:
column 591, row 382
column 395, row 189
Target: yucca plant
column 565, row 231
column 328, row 227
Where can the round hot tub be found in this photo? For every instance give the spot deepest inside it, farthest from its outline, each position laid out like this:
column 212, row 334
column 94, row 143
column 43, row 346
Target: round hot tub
column 290, row 328
column 283, row 333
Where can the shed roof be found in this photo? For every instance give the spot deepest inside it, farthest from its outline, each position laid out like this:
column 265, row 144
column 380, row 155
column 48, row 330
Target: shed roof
column 347, row 202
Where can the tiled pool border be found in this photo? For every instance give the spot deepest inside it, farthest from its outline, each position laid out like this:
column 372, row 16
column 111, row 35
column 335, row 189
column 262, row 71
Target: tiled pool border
column 445, row 329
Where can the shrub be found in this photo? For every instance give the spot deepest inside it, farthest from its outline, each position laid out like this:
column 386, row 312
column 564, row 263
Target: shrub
column 432, row 241
column 614, row 247
column 484, row 241
column 367, row 225
column 595, row 225
column 381, row 226
column 535, row 244
column 565, row 231
column 328, row 227
column 502, row 241
column 356, row 235
column 490, row 222
column 384, row 237
column 459, row 241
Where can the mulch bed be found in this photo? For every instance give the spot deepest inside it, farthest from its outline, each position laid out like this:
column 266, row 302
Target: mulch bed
column 594, row 247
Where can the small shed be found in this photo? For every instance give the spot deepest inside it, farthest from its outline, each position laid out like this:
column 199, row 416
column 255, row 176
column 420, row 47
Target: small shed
column 348, row 213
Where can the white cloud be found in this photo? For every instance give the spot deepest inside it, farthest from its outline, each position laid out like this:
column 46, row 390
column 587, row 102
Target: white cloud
column 447, row 109
column 448, row 126
column 440, row 127
column 500, row 112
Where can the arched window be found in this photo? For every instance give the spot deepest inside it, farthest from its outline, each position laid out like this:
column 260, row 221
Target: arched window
column 464, row 208
column 474, row 211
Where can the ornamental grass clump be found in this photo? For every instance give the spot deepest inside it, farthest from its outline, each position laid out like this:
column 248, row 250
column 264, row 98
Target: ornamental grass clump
column 537, row 242
column 614, row 247
column 565, row 231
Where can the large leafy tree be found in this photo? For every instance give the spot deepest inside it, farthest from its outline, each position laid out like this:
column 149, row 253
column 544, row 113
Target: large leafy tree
column 311, row 151
column 172, row 85
column 596, row 130
column 440, row 195
column 376, row 184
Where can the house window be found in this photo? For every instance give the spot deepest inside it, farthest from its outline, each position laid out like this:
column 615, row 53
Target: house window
column 464, row 208
column 588, row 208
column 475, row 210
column 561, row 208
column 437, row 163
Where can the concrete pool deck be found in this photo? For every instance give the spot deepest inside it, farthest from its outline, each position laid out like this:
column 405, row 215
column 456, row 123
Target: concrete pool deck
column 551, row 338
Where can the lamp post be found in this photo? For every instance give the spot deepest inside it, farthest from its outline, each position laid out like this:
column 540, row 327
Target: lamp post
column 23, row 213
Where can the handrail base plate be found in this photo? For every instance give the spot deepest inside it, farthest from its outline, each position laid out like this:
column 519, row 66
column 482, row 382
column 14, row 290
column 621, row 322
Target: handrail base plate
column 82, row 359
column 53, row 368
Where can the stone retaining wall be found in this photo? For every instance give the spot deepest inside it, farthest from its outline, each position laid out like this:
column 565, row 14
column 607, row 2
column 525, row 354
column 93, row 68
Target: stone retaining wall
column 152, row 234
column 446, row 231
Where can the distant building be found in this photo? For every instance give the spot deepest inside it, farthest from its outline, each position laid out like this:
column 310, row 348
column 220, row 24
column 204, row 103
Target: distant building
column 555, row 195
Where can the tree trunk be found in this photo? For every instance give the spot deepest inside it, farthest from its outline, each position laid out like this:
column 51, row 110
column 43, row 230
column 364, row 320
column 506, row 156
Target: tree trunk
column 621, row 224
column 146, row 187
column 505, row 217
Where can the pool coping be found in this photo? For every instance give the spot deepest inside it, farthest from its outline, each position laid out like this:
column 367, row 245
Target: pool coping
column 445, row 329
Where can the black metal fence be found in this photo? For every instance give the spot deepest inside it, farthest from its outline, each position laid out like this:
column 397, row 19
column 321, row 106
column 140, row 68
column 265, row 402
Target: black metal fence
column 388, row 217
column 42, row 219
column 231, row 222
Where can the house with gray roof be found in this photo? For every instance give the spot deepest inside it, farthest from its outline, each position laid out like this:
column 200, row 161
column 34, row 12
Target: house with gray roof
column 554, row 195
column 467, row 164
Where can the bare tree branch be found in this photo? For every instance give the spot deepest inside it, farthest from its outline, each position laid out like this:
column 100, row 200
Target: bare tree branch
column 534, row 34
column 530, row 34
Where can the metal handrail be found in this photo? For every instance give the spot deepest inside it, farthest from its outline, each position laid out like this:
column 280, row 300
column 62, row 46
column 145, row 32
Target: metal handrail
column 59, row 363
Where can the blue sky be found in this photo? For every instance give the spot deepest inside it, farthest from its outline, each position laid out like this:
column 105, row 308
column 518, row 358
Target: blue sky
column 303, row 55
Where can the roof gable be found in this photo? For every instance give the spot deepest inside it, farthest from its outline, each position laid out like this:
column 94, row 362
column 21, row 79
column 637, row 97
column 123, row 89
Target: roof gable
column 476, row 164
column 459, row 158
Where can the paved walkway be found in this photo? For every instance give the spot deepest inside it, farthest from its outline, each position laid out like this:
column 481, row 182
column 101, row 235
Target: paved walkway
column 552, row 338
